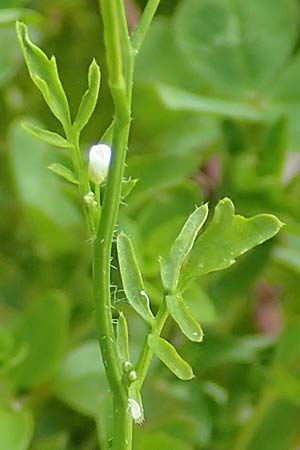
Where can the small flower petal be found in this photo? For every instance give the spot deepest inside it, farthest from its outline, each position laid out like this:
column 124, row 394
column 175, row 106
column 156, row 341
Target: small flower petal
column 99, row 160
column 135, row 410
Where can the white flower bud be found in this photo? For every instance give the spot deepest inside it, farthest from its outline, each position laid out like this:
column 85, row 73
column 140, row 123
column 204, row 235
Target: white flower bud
column 132, row 376
column 99, row 160
column 135, row 410
column 127, row 367
column 89, row 200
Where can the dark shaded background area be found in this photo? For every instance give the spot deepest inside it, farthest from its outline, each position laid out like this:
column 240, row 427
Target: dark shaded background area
column 216, row 113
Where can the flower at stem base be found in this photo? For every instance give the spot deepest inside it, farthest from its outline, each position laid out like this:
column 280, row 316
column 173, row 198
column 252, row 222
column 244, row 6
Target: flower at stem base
column 99, row 160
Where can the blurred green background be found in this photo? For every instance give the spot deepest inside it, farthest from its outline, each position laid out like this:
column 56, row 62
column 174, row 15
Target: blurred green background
column 216, row 113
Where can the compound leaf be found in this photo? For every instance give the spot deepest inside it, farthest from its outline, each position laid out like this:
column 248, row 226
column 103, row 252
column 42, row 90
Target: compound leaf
column 169, row 356
column 186, row 322
column 228, row 236
column 89, row 99
column 170, row 267
column 132, row 278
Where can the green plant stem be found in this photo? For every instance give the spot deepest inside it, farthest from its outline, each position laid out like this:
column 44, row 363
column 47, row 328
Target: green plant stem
column 122, row 437
column 144, row 24
column 102, row 254
column 120, row 62
column 79, row 167
column 147, row 354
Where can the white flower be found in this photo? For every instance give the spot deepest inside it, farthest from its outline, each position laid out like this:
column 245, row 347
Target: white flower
column 99, row 160
column 135, row 410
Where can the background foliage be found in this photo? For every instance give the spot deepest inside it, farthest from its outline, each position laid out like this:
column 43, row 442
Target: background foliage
column 216, row 112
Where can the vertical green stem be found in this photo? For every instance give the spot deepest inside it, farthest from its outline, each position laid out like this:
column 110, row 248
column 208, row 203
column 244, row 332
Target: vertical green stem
column 147, row 354
column 122, row 436
column 120, row 62
column 101, row 275
column 144, row 24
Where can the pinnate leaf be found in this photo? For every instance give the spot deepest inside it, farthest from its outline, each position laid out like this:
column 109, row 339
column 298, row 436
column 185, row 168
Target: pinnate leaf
column 181, row 100
column 89, row 99
column 64, row 172
column 44, row 74
column 180, row 313
column 132, row 278
column 228, row 236
column 170, row 267
column 169, row 356
column 49, row 137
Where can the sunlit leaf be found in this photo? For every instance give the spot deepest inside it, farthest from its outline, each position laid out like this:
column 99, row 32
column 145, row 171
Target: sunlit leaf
column 16, row 428
column 161, row 440
column 63, row 172
column 182, row 316
column 169, row 356
column 170, row 267
column 42, row 329
column 179, row 100
column 44, row 74
column 132, row 278
column 80, row 379
column 89, row 99
column 46, row 136
column 237, row 46
column 227, row 237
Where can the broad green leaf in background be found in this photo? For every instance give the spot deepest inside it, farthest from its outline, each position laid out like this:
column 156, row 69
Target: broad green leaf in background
column 221, row 349
column 80, row 380
column 63, row 172
column 179, row 100
column 274, row 150
column 11, row 355
column 285, row 95
column 169, row 356
column 159, row 56
column 6, row 345
column 16, row 428
column 46, row 136
column 274, row 426
column 227, row 237
column 285, row 370
column 160, row 221
column 202, row 307
column 43, row 330
column 9, row 16
column 43, row 202
column 159, row 440
column 44, row 74
column 132, row 278
column 89, row 99
column 182, row 316
column 56, row 442
column 10, row 57
column 170, row 266
column 156, row 172
column 237, row 46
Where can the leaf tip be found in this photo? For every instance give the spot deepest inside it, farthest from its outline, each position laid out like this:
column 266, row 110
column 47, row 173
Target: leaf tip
column 20, row 26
